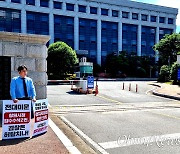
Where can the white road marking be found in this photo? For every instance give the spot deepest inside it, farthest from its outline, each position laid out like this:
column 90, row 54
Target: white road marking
column 63, row 138
column 144, row 140
column 87, row 139
column 84, row 105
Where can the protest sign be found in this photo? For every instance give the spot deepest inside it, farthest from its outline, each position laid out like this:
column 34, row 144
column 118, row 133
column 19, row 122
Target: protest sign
column 40, row 116
column 16, row 119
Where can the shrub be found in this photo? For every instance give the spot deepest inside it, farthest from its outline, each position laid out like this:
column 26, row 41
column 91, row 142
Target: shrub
column 173, row 72
column 164, row 74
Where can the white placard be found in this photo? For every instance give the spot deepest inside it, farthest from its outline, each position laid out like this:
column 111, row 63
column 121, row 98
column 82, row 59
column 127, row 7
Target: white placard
column 40, row 116
column 16, row 119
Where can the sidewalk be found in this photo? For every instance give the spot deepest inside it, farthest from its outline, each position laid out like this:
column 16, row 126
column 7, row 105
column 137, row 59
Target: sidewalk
column 47, row 143
column 166, row 90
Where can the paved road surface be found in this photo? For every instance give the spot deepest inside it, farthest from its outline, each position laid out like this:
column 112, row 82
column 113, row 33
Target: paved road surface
column 115, row 116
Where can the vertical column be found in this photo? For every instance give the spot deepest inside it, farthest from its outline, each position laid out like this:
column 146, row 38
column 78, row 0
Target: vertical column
column 8, row 1
column 120, row 14
column 23, row 18
column 37, row 3
column 110, row 12
column 63, row 6
column 99, row 41
column 174, row 29
column 157, row 19
column 139, row 17
column 119, row 37
column 99, row 11
column 139, row 40
column 76, row 7
column 157, row 41
column 130, row 15
column 149, row 17
column 51, row 27
column 23, row 21
column 166, row 20
column 51, row 22
column 88, row 9
column 76, row 33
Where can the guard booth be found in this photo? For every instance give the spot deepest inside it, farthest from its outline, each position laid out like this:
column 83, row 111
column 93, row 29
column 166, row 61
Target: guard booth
column 5, row 77
column 85, row 70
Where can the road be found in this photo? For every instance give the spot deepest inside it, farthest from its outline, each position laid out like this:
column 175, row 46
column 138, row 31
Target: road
column 118, row 121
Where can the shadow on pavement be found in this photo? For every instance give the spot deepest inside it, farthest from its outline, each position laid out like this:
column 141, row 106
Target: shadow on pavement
column 13, row 141
column 38, row 135
column 73, row 93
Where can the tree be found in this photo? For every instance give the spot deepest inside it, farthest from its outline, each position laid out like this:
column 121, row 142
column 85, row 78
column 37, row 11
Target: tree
column 129, row 64
column 168, row 47
column 61, row 60
column 174, row 72
column 112, row 64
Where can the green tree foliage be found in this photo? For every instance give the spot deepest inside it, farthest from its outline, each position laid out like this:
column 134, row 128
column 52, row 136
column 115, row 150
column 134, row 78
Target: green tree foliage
column 61, row 60
column 173, row 72
column 164, row 74
column 112, row 65
column 168, row 47
column 168, row 73
column 97, row 69
column 130, row 65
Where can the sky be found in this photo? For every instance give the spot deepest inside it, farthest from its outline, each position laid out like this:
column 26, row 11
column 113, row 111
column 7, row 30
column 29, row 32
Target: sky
column 168, row 3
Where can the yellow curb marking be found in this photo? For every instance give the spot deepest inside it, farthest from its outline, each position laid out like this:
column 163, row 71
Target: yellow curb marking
column 112, row 100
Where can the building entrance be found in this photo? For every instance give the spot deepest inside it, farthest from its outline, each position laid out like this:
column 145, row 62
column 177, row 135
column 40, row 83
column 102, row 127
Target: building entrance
column 5, row 77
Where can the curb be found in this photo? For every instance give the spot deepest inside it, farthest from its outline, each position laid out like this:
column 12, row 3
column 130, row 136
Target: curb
column 95, row 146
column 154, row 92
column 166, row 96
column 63, row 138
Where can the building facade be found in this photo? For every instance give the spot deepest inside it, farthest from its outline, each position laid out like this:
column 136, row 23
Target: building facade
column 100, row 26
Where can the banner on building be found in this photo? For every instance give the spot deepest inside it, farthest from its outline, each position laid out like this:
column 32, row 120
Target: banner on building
column 16, row 119
column 40, row 116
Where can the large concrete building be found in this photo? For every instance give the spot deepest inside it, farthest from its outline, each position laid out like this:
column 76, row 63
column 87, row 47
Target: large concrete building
column 99, row 26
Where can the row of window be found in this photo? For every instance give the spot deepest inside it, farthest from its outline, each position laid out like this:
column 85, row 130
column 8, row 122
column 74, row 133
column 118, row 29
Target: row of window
column 94, row 10
column 144, row 17
column 14, row 15
column 38, row 23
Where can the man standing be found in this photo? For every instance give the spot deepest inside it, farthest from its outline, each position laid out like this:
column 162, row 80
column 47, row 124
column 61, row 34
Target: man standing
column 22, row 87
